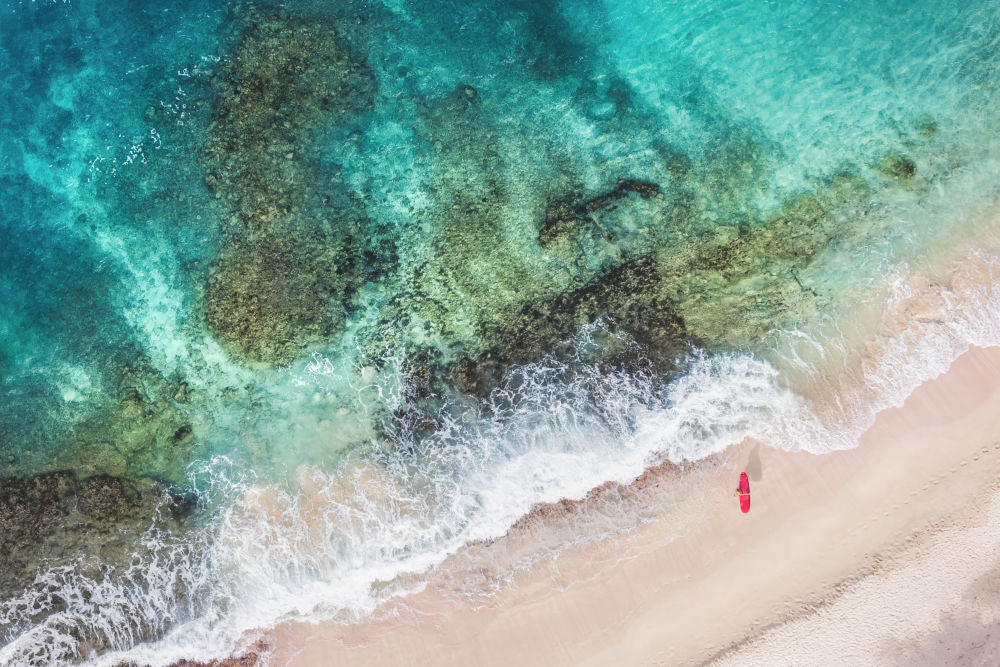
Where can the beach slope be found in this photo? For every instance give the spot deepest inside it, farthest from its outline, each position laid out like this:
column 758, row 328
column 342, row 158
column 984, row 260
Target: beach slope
column 874, row 555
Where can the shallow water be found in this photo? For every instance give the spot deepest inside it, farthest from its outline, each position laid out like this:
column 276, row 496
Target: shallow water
column 308, row 297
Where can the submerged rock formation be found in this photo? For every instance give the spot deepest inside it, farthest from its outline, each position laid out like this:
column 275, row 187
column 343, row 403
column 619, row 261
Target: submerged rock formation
column 269, row 296
column 287, row 268
column 143, row 429
column 570, row 229
column 666, row 288
column 506, row 260
column 898, row 167
column 56, row 518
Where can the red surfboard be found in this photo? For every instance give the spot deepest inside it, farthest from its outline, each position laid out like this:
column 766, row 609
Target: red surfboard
column 744, row 493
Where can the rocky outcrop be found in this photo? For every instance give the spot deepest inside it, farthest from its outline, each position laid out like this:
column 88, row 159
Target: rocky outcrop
column 567, row 223
column 288, row 264
column 56, row 518
column 249, row 659
column 898, row 167
column 143, row 428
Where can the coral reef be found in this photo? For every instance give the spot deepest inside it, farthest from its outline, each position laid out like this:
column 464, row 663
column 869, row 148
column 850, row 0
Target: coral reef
column 687, row 253
column 271, row 295
column 287, row 267
column 898, row 167
column 626, row 298
column 51, row 519
column 722, row 288
column 692, row 257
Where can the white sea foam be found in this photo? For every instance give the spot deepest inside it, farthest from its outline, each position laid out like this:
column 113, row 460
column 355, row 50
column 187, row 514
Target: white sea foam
column 340, row 543
column 924, row 325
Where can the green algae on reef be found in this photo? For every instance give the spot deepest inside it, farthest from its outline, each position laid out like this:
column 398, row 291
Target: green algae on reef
column 282, row 278
column 145, row 430
column 142, row 425
column 898, row 167
column 724, row 288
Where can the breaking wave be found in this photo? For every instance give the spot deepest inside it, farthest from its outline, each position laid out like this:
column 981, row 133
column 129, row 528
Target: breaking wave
column 336, row 544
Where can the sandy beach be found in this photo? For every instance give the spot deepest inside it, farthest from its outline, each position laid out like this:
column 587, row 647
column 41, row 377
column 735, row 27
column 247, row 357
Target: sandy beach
column 874, row 555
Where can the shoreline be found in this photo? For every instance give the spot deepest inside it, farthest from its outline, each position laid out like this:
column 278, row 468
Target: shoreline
column 689, row 600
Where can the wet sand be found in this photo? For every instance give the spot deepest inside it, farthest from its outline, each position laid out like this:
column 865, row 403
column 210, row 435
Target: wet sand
column 857, row 557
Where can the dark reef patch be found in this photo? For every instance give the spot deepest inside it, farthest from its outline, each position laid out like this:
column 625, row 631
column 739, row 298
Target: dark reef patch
column 288, row 266
column 721, row 288
column 270, row 296
column 564, row 219
column 56, row 518
column 898, row 167
column 627, row 298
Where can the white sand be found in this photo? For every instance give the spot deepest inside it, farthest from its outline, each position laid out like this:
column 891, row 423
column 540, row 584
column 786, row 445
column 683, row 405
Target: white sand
column 868, row 556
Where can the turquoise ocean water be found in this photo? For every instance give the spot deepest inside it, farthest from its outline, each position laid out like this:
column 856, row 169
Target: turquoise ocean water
column 296, row 299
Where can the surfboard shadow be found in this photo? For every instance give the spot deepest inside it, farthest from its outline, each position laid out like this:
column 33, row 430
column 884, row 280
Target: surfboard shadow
column 753, row 465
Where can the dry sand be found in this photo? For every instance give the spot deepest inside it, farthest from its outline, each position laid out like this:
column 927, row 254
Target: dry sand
column 876, row 555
